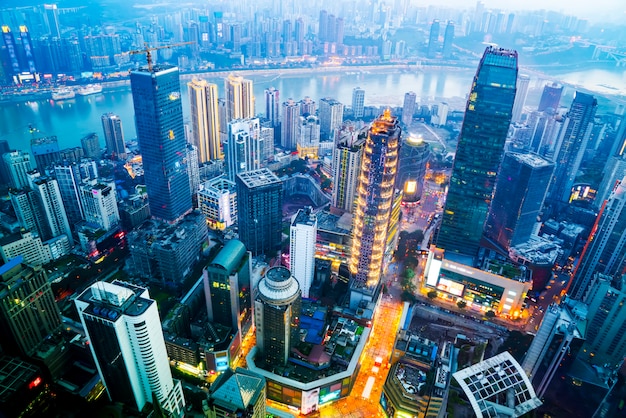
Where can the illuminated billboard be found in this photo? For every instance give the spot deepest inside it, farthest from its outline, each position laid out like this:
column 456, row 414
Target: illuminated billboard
column 450, row 287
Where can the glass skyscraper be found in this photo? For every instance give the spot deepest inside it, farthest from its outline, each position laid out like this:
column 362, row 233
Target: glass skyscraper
column 479, row 152
column 161, row 136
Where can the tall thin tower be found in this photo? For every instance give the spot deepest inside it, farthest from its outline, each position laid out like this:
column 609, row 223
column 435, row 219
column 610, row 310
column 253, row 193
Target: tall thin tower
column 479, row 152
column 205, row 123
column 113, row 135
column 161, row 135
column 375, row 193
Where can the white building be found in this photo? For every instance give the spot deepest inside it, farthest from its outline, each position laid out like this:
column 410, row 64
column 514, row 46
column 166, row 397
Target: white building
column 303, row 235
column 358, row 102
column 217, row 200
column 308, row 136
column 331, row 117
column 51, row 204
column 28, row 245
column 100, row 204
column 242, row 148
column 126, row 342
column 17, row 164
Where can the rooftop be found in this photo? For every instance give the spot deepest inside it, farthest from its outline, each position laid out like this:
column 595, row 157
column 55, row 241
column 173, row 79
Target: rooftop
column 258, row 178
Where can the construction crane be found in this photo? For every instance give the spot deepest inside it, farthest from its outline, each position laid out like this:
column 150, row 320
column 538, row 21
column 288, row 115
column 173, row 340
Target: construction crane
column 148, row 51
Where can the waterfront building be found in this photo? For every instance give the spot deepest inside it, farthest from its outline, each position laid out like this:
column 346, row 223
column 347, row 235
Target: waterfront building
column 521, row 188
column 374, row 198
column 550, row 97
column 123, row 326
column 414, row 157
column 100, row 204
column 217, row 200
column 307, row 105
column 289, row 125
column 227, row 290
column 70, row 176
column 479, row 153
column 448, row 40
column 433, row 39
column 91, row 146
column 205, row 121
column 408, row 108
column 358, row 102
column 331, row 117
column 239, row 98
column 29, row 211
column 47, row 190
column 259, row 211
column 272, row 106
column 303, row 236
column 238, row 393
column 308, row 136
column 51, row 20
column 17, row 164
column 605, row 250
column 242, row 150
column 276, row 316
column 113, row 135
column 571, row 144
column 28, row 311
column 347, row 156
column 523, row 82
column 46, row 151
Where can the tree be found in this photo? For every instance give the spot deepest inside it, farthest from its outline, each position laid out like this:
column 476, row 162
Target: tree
column 490, row 314
column 461, row 304
column 432, row 294
column 409, row 273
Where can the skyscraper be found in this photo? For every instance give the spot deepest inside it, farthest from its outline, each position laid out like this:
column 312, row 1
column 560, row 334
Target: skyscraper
column 479, row 152
column 49, row 195
column 277, row 312
column 375, row 193
column 331, row 117
column 161, row 136
column 448, row 39
column 289, row 126
column 521, row 188
column 347, row 157
column 307, row 105
column 91, row 146
column 550, row 97
column 113, row 135
column 29, row 212
column 100, row 204
column 205, row 123
column 124, row 330
column 46, row 151
column 605, row 250
column 241, row 150
column 70, row 176
column 571, row 144
column 303, row 236
column 259, row 211
column 17, row 164
column 523, row 81
column 433, row 39
column 308, row 139
column 51, row 20
column 408, row 108
column 239, row 98
column 414, row 156
column 28, row 311
column 272, row 106
column 358, row 102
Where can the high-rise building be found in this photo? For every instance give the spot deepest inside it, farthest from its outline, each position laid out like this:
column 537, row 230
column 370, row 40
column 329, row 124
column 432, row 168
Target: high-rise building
column 521, row 188
column 113, row 135
column 205, row 123
column 241, row 150
column 100, row 205
column 303, row 236
column 52, row 206
column 238, row 393
column 331, row 117
column 550, row 97
column 226, row 281
column 479, row 152
column 408, row 108
column 307, row 105
column 259, row 211
column 91, row 146
column 308, row 139
column 124, row 330
column 571, row 144
column 28, row 311
column 46, row 151
column 4, row 149
column 193, row 167
column 272, row 106
column 28, row 245
column 239, row 98
column 523, row 82
column 414, row 156
column 605, row 250
column 17, row 164
column 358, row 102
column 13, row 67
column 51, row 20
column 448, row 39
column 276, row 315
column 217, row 200
column 289, row 125
column 70, row 176
column 374, row 197
column 161, row 136
column 29, row 211
column 347, row 157
column 433, row 39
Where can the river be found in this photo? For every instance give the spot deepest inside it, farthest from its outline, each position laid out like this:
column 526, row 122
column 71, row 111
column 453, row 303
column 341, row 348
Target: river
column 72, row 119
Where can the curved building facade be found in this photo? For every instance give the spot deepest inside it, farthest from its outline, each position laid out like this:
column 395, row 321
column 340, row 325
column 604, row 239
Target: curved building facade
column 414, row 157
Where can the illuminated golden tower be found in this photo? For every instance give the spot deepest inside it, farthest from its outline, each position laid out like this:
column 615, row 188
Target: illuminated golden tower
column 374, row 199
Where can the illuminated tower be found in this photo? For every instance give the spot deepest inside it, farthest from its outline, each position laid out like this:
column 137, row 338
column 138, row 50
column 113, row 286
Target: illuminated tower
column 479, row 152
column 161, row 136
column 205, row 123
column 239, row 98
column 375, row 192
column 414, row 157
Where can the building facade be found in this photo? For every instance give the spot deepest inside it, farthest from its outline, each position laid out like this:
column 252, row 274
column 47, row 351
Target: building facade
column 239, row 96
column 205, row 123
column 217, row 200
column 303, row 236
column 347, row 157
column 113, row 135
column 243, row 148
column 358, row 102
column 331, row 117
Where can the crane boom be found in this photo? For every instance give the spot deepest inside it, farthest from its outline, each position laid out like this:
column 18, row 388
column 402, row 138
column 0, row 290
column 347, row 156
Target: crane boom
column 148, row 51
